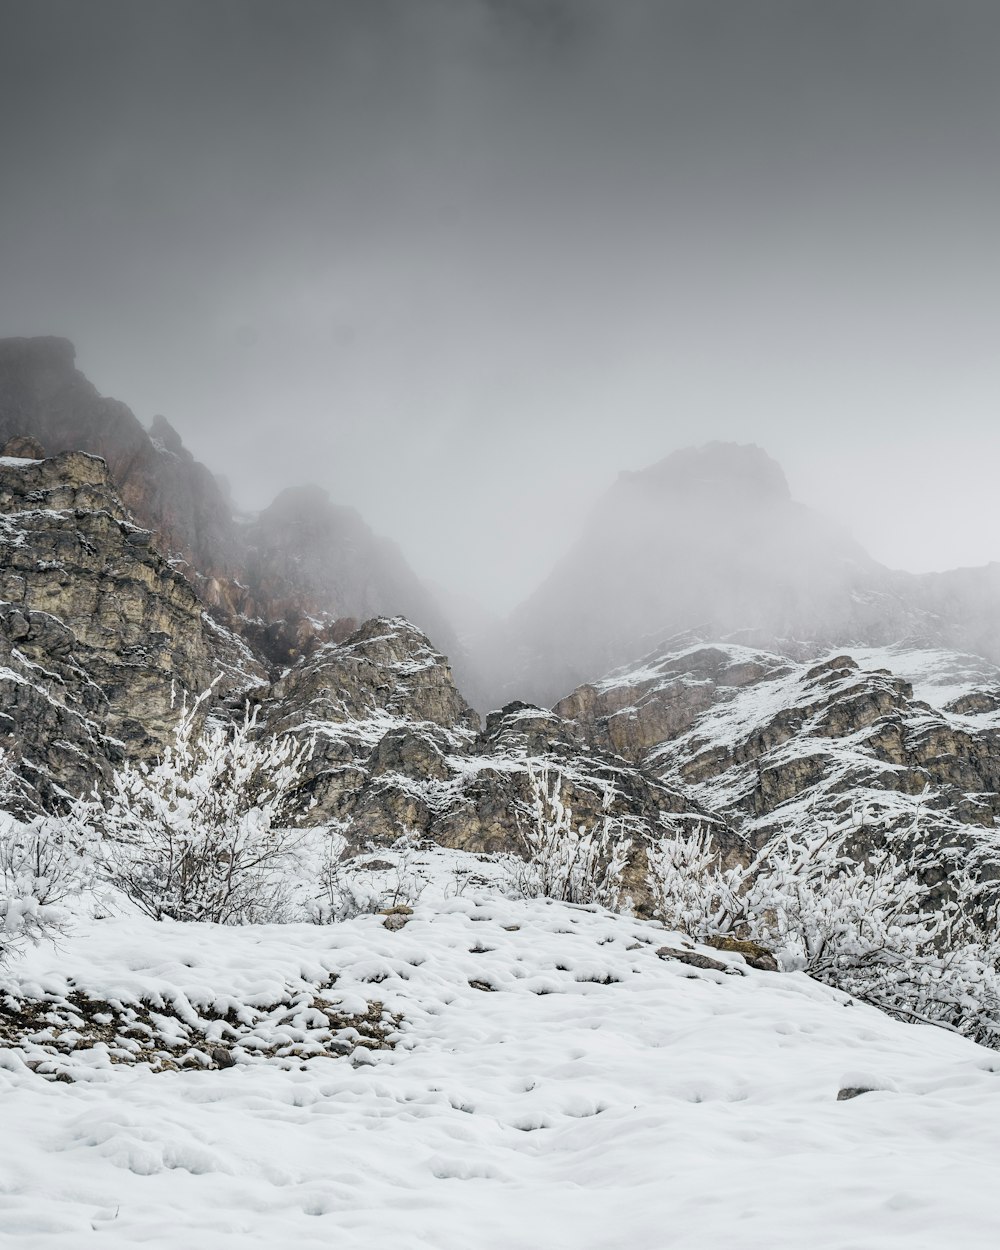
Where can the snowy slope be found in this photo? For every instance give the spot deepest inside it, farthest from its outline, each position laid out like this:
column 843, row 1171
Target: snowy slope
column 893, row 737
column 552, row 1083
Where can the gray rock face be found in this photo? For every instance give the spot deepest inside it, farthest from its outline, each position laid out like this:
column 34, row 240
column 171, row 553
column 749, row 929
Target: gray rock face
column 99, row 635
column 43, row 396
column 399, row 751
column 281, row 581
column 769, row 743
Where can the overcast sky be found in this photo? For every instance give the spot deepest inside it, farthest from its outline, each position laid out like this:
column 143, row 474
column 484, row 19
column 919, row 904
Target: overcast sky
column 460, row 261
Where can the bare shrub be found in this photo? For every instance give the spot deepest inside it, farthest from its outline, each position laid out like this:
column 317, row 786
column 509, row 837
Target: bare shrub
column 195, row 836
column 572, row 864
column 43, row 862
column 874, row 927
column 349, row 888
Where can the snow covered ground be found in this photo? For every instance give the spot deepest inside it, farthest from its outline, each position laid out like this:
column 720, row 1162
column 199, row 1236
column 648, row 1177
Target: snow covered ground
column 551, row 1083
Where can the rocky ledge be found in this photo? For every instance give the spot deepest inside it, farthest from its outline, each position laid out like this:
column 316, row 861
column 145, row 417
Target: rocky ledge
column 100, row 637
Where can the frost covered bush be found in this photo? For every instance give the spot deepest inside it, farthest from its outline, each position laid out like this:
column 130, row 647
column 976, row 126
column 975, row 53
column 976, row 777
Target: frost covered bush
column 43, row 862
column 195, row 836
column 348, row 889
column 872, row 928
column 574, row 865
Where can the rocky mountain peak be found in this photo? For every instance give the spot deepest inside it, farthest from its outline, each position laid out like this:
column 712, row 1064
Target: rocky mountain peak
column 162, row 432
column 45, row 398
column 709, row 539
column 715, row 472
column 323, row 557
column 282, row 580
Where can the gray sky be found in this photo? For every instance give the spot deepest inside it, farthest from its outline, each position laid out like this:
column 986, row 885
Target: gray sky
column 460, row 261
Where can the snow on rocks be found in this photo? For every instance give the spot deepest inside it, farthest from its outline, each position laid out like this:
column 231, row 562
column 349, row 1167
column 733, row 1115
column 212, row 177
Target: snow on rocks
column 768, row 743
column 551, row 1082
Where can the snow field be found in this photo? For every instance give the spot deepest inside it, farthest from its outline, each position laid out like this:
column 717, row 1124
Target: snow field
column 554, row 1084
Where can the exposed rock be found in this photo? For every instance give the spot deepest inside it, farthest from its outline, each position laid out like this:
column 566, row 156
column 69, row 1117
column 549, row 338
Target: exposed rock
column 385, row 713
column 771, row 744
column 282, row 580
column 44, row 397
column 398, row 751
column 222, row 1056
column 693, row 959
column 100, row 637
column 653, row 702
column 756, row 956
column 101, row 633
column 396, row 917
column 21, row 447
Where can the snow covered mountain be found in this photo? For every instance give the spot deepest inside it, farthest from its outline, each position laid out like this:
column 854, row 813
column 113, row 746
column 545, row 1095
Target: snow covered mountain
column 888, row 741
column 101, row 640
column 102, row 636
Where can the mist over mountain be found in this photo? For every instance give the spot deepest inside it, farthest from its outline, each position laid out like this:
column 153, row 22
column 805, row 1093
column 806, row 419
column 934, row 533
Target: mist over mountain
column 45, row 397
column 516, row 665
column 306, row 558
column 711, row 541
column 283, row 578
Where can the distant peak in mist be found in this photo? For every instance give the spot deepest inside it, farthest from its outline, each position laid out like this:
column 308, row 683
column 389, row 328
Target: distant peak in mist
column 301, row 502
column 740, row 472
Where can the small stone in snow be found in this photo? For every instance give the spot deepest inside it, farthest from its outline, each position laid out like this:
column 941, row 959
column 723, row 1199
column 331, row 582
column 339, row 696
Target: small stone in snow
column 757, row 956
column 692, row 958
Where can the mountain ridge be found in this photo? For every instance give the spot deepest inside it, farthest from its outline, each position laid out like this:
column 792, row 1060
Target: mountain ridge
column 246, row 573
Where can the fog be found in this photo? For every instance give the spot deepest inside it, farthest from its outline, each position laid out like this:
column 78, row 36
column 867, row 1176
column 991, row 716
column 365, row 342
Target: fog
column 460, row 261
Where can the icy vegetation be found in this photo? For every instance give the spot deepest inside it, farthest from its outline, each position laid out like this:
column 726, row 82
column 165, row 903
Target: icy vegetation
column 193, row 836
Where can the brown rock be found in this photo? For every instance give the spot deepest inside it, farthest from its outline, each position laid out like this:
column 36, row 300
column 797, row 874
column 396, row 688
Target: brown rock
column 757, row 956
column 693, row 959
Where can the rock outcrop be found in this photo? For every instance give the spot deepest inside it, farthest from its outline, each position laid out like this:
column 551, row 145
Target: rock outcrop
column 100, row 636
column 283, row 581
column 399, row 751
column 43, row 396
column 771, row 744
column 108, row 565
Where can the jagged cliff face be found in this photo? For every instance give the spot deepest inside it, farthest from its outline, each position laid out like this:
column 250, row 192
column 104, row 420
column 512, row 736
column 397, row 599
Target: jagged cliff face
column 891, row 740
column 283, row 580
column 42, row 395
column 398, row 750
column 100, row 637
